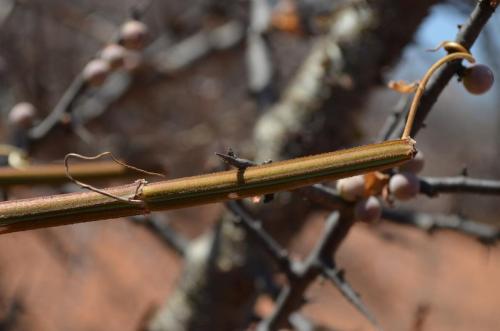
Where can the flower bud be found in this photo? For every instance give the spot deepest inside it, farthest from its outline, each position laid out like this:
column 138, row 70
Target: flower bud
column 478, row 79
column 351, row 188
column 134, row 35
column 96, row 72
column 404, row 185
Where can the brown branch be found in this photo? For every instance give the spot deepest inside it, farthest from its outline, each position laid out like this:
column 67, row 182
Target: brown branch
column 209, row 188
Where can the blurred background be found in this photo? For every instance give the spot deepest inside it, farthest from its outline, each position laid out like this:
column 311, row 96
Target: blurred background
column 184, row 95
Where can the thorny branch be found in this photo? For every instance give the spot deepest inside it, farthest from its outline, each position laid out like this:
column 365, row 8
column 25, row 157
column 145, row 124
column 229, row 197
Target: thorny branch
column 300, row 275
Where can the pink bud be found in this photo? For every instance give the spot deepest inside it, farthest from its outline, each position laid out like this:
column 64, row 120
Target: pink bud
column 96, row 72
column 114, row 54
column 351, row 188
column 22, row 114
column 404, row 186
column 134, row 35
column 478, row 79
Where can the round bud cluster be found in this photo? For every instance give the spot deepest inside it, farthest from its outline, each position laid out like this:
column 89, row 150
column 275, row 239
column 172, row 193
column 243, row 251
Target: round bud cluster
column 115, row 55
column 405, row 185
column 351, row 188
column 134, row 35
column 478, row 79
column 22, row 114
column 96, row 72
column 368, row 210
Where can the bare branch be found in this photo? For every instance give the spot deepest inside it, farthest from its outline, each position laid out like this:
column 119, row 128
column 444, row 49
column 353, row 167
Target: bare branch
column 433, row 186
column 186, row 52
column 430, row 222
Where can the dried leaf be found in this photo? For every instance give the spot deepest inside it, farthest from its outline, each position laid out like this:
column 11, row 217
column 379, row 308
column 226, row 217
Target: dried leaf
column 402, row 87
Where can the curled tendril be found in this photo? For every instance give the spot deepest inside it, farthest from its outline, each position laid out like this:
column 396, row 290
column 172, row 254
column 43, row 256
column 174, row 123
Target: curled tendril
column 450, row 47
column 140, row 182
column 462, row 53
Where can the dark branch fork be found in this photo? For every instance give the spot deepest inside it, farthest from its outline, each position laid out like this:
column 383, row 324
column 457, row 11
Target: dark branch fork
column 300, row 275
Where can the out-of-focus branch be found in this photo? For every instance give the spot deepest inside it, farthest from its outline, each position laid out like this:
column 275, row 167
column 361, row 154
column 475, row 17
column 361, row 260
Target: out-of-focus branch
column 56, row 173
column 78, row 86
column 6, row 9
column 260, row 69
column 329, row 198
column 194, row 48
column 301, row 275
column 64, row 106
column 393, row 119
column 466, row 36
column 158, row 224
column 433, row 186
column 256, row 231
column 430, row 222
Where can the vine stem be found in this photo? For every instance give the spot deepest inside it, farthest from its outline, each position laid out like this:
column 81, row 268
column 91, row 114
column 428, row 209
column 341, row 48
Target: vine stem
column 421, row 86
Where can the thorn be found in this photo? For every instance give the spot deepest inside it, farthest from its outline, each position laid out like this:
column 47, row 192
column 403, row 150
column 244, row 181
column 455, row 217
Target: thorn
column 337, row 277
column 234, row 161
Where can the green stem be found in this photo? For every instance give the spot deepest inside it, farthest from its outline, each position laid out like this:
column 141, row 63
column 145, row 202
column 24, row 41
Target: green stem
column 191, row 191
